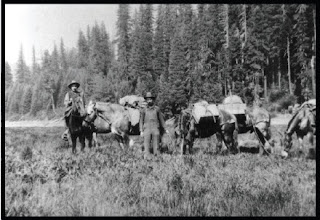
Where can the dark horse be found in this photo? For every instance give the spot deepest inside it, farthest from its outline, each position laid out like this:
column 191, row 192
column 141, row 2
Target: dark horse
column 224, row 126
column 74, row 123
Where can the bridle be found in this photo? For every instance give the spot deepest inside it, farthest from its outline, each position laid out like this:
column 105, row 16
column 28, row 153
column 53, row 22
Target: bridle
column 96, row 114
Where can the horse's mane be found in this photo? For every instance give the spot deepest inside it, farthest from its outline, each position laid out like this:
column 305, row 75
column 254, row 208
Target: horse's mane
column 300, row 111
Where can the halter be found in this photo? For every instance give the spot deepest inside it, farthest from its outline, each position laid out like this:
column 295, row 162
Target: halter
column 91, row 122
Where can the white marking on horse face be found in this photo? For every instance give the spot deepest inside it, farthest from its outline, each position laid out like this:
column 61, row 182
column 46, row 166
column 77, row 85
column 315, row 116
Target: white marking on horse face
column 114, row 130
column 90, row 107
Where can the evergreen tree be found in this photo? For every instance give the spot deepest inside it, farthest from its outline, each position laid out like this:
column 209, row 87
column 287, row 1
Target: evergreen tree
column 35, row 66
column 177, row 76
column 135, row 53
column 158, row 43
column 83, row 51
column 8, row 76
column 147, row 77
column 105, row 50
column 26, row 99
column 37, row 97
column 63, row 60
column 302, row 50
column 23, row 72
column 123, row 34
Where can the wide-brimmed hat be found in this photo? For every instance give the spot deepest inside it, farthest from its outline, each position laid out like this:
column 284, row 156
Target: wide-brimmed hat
column 149, row 95
column 73, row 82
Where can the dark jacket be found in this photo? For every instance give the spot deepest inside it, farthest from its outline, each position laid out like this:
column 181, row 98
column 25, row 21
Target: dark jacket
column 151, row 117
column 69, row 97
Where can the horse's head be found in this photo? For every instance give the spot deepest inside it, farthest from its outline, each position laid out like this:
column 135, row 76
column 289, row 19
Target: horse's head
column 184, row 123
column 78, row 107
column 91, row 114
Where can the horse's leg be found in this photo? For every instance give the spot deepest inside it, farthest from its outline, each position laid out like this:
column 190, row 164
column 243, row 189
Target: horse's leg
column 182, row 146
column 90, row 139
column 300, row 140
column 311, row 153
column 191, row 144
column 235, row 140
column 82, row 141
column 310, row 137
column 119, row 139
column 219, row 143
column 126, row 140
column 95, row 141
column 74, row 143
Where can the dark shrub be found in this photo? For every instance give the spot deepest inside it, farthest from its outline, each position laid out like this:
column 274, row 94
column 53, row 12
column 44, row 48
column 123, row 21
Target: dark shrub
column 286, row 101
column 275, row 95
column 26, row 153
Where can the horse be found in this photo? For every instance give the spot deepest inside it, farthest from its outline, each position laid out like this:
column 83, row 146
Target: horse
column 302, row 123
column 256, row 119
column 259, row 122
column 224, row 125
column 74, row 123
column 104, row 117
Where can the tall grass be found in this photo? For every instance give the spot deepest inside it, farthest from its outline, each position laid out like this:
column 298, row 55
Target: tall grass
column 106, row 181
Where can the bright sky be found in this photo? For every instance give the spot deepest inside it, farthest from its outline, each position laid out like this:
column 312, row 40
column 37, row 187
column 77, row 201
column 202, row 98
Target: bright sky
column 42, row 25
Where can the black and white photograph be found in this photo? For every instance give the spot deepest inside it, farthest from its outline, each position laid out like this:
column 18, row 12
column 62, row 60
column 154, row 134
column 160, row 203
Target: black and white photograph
column 158, row 109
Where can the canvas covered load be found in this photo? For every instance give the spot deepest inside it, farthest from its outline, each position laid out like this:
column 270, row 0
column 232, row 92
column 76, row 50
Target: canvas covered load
column 203, row 109
column 233, row 104
column 134, row 115
column 132, row 100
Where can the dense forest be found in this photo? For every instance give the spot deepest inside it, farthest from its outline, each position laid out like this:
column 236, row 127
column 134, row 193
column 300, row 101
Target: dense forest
column 179, row 52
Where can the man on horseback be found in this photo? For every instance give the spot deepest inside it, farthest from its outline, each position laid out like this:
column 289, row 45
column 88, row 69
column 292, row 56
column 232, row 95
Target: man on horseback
column 70, row 96
column 152, row 125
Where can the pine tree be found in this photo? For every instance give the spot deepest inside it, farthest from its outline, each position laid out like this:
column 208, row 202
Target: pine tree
column 63, row 60
column 35, row 66
column 147, row 76
column 168, row 29
column 37, row 94
column 287, row 27
column 83, row 51
column 8, row 76
column 302, row 50
column 26, row 100
column 158, row 43
column 135, row 56
column 23, row 72
column 123, row 34
column 105, row 49
column 177, row 76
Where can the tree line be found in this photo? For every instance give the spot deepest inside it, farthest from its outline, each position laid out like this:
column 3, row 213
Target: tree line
column 180, row 53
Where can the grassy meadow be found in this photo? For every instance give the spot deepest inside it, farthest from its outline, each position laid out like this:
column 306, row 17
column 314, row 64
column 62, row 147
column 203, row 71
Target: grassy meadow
column 43, row 178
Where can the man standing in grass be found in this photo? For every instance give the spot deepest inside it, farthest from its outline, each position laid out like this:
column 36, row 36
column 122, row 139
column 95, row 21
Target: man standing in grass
column 68, row 99
column 151, row 126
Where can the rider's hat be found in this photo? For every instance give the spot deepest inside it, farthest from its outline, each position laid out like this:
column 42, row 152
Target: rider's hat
column 73, row 82
column 149, row 95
